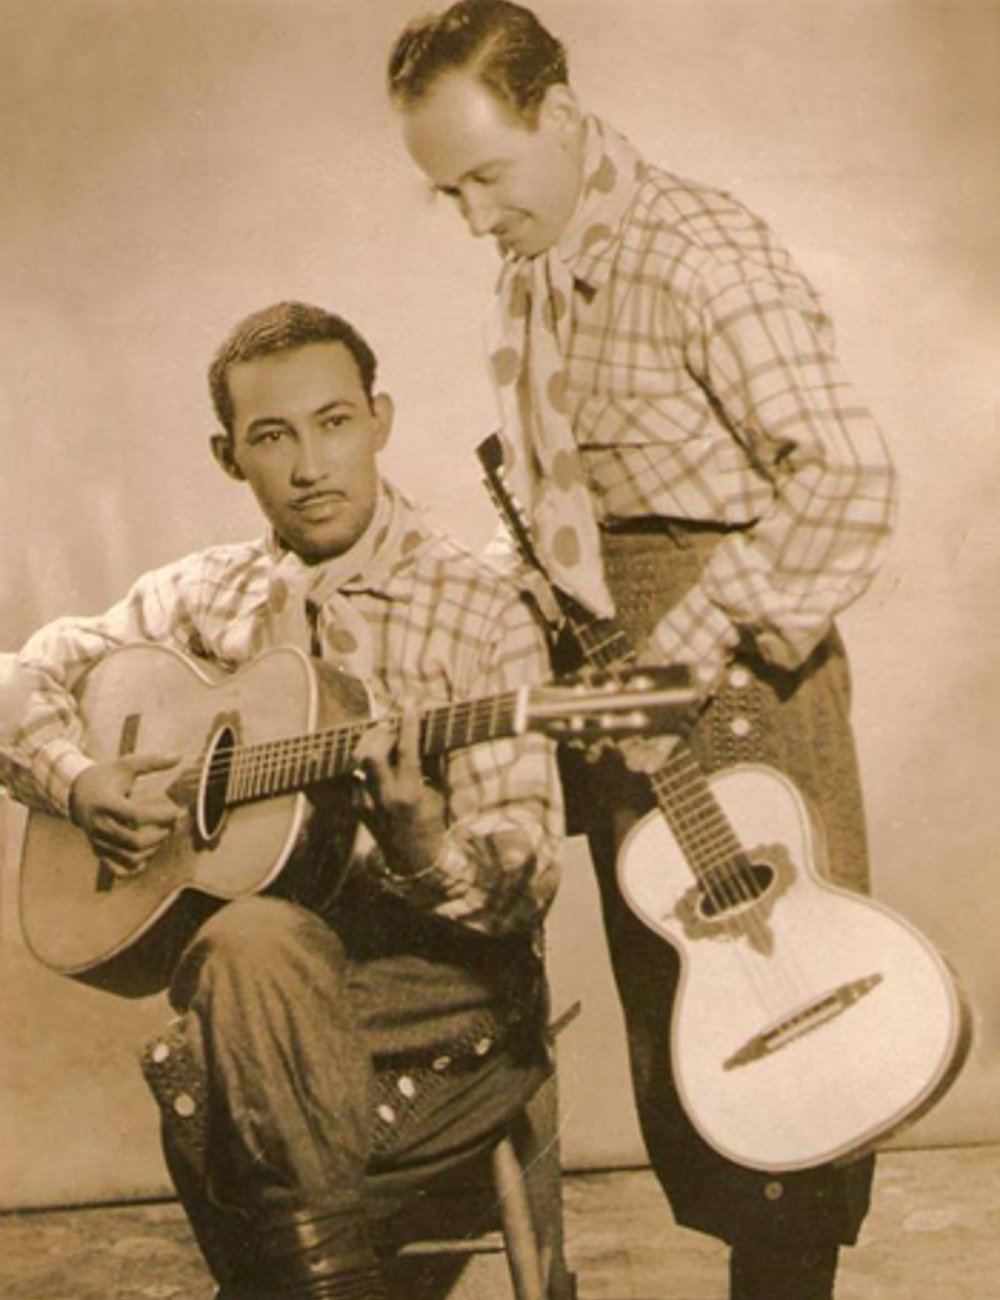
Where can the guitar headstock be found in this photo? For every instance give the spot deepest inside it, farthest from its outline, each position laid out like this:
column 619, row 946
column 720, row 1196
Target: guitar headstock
column 613, row 704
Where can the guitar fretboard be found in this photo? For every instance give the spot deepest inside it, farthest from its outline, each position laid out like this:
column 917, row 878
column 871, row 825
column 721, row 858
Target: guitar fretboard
column 277, row 767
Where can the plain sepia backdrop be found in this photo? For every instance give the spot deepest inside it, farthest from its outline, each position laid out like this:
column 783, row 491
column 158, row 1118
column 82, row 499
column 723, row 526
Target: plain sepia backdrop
column 170, row 165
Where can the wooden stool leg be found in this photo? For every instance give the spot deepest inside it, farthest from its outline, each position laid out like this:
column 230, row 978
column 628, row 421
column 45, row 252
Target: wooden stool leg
column 516, row 1222
column 536, row 1142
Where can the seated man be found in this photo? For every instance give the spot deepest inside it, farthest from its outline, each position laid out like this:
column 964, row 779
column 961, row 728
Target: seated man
column 333, row 1057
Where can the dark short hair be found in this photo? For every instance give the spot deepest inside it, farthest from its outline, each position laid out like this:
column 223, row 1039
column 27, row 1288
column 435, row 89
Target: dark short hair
column 503, row 43
column 284, row 327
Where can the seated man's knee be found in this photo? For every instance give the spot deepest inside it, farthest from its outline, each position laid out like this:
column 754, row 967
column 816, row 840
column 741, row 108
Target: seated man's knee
column 268, row 938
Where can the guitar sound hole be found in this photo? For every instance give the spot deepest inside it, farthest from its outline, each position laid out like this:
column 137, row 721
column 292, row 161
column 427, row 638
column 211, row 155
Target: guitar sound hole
column 215, row 782
column 735, row 888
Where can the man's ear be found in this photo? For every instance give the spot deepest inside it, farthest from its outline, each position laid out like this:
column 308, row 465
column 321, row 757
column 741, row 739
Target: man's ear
column 560, row 110
column 222, row 450
column 384, row 410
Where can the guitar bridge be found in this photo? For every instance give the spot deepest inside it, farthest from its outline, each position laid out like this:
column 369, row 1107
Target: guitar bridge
column 818, row 1012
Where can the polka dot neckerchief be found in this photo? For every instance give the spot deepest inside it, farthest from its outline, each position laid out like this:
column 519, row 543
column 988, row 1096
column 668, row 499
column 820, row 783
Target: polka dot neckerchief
column 528, row 338
column 307, row 606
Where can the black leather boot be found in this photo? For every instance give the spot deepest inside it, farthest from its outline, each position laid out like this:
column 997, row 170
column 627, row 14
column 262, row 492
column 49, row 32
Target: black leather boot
column 313, row 1257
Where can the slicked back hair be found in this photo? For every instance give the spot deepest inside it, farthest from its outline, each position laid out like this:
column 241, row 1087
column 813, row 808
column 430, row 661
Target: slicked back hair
column 503, row 43
column 283, row 327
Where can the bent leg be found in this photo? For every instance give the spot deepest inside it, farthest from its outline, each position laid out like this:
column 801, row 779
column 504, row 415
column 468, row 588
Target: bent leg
column 273, row 1188
column 317, row 1091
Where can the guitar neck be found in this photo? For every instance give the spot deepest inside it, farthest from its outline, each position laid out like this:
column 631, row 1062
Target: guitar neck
column 703, row 832
column 601, row 641
column 283, row 766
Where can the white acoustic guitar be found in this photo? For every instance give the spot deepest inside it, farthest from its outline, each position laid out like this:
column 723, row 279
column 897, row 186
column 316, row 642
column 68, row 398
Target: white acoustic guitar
column 810, row 1022
column 260, row 739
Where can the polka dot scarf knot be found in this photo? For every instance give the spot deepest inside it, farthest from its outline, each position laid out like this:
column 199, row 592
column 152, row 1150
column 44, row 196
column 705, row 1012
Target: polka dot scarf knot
column 529, row 340
column 307, row 605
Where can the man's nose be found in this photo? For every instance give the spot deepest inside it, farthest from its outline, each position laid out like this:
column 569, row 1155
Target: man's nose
column 480, row 213
column 308, row 465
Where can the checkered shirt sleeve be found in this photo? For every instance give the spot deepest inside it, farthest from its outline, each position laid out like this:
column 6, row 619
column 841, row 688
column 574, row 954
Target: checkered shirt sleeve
column 45, row 749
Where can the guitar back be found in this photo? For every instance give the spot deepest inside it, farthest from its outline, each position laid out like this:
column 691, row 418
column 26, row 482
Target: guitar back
column 77, row 916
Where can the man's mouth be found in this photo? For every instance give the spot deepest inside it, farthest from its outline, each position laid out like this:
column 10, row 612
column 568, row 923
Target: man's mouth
column 318, row 505
column 508, row 236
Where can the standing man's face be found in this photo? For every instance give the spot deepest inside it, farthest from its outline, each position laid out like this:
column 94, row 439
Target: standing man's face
column 515, row 182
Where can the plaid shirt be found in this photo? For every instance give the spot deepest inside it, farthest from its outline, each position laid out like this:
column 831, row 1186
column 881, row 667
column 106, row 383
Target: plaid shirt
column 703, row 386
column 444, row 626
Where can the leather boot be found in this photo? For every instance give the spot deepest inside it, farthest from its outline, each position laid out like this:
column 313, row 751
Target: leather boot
column 306, row 1256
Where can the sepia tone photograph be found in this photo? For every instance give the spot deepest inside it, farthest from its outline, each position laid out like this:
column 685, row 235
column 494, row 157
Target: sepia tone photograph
column 499, row 748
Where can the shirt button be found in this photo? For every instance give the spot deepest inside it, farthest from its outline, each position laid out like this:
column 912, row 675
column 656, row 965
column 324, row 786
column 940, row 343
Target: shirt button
column 160, row 1052
column 774, row 1191
column 739, row 678
column 386, row 1113
column 740, row 727
column 441, row 1063
column 482, row 1046
column 406, row 1086
column 184, row 1105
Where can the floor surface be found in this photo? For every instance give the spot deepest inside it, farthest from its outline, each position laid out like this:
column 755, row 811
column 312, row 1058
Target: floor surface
column 933, row 1234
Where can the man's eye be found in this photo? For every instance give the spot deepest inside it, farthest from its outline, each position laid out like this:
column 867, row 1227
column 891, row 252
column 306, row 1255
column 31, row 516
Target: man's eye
column 335, row 421
column 264, row 436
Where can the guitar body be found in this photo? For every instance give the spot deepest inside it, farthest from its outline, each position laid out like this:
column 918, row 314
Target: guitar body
column 251, row 755
column 810, row 1022
column 121, row 932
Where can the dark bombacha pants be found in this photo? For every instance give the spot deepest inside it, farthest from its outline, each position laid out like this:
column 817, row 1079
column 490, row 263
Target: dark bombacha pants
column 321, row 1071
column 785, row 1230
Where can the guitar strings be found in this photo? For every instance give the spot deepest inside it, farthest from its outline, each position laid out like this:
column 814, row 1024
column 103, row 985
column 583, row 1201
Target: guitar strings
column 728, row 882
column 289, row 759
column 718, row 861
column 258, row 766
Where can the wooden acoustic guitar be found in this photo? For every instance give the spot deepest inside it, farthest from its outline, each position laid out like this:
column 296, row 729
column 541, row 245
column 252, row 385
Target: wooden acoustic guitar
column 809, row 1022
column 262, row 738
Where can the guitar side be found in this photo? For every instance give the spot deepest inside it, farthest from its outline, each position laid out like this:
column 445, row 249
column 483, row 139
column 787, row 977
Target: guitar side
column 810, row 1022
column 76, row 916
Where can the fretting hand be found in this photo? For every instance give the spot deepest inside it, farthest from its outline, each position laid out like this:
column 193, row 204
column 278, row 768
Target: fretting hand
column 402, row 811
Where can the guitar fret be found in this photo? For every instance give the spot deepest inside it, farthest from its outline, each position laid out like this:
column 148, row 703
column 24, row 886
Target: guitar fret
column 448, row 728
column 496, row 713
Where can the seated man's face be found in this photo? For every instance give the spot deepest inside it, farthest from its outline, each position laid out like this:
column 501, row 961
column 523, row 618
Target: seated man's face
column 306, row 437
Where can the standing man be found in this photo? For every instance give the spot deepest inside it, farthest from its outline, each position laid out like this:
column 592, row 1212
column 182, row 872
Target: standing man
column 334, row 1051
column 693, row 463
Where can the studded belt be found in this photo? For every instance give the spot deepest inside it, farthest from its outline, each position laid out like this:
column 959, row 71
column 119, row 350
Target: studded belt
column 405, row 1084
